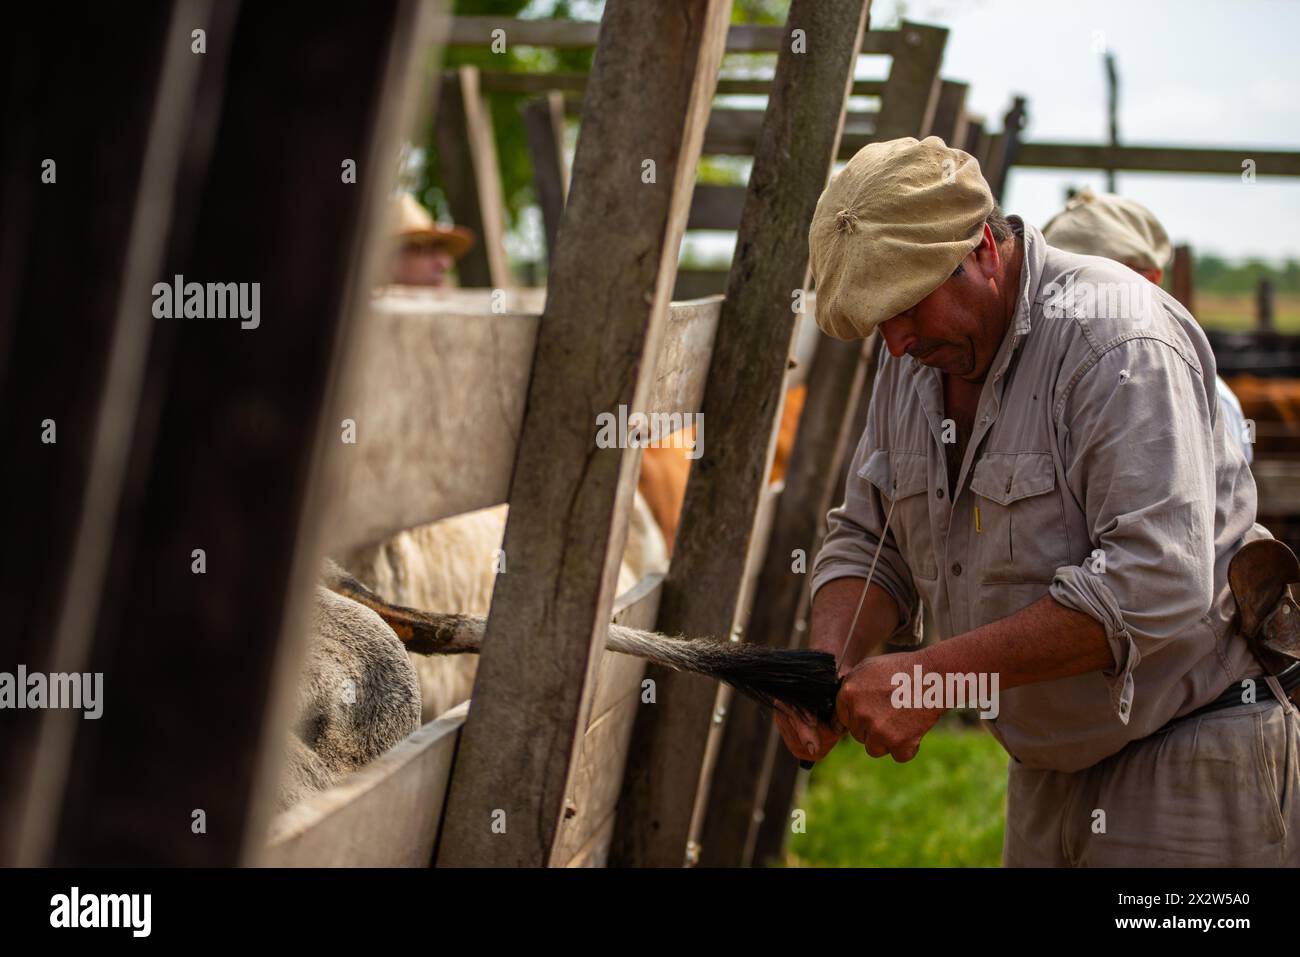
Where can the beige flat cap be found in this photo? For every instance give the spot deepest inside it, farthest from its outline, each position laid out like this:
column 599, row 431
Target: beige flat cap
column 1103, row 224
column 413, row 224
column 890, row 229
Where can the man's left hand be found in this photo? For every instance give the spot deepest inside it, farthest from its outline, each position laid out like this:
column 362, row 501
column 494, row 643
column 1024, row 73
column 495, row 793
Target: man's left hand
column 865, row 708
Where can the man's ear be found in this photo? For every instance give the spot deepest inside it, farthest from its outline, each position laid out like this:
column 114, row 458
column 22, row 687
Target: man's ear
column 987, row 257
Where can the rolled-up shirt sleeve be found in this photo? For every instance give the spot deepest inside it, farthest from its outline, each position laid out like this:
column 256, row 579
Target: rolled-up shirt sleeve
column 1136, row 434
column 853, row 532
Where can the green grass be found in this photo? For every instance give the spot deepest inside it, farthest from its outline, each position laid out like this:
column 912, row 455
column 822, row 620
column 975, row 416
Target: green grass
column 945, row 808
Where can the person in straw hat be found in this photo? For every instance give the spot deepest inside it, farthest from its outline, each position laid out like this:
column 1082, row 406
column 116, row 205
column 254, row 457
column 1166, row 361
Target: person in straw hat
column 1044, row 467
column 1118, row 228
column 426, row 249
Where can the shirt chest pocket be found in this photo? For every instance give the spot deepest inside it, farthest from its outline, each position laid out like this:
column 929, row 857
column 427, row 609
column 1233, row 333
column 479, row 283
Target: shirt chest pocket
column 903, row 478
column 1019, row 524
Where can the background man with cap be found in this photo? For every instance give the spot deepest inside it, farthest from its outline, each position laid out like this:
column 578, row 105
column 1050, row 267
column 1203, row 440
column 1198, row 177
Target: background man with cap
column 426, row 249
column 1118, row 228
column 1056, row 484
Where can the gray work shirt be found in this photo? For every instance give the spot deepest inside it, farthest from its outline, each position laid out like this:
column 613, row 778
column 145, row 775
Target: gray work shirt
column 1098, row 472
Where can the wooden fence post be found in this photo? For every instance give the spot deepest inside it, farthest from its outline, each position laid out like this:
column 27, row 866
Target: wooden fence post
column 467, row 155
column 97, row 125
column 950, row 113
column 223, row 456
column 742, row 400
column 911, row 94
column 544, row 127
column 1183, row 279
column 596, row 350
column 750, row 742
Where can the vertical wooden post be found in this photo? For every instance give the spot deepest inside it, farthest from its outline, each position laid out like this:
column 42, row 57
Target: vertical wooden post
column 772, row 810
column 102, row 100
column 748, row 752
column 1264, row 305
column 975, row 137
column 1004, row 148
column 950, row 113
column 596, row 350
column 1182, row 278
column 544, row 127
column 742, row 400
column 226, row 447
column 467, row 155
column 911, row 94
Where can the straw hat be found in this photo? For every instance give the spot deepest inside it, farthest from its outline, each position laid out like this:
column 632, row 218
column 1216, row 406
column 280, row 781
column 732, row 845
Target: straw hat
column 414, row 225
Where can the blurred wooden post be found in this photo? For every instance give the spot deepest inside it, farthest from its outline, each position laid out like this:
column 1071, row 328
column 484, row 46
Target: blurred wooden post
column 1005, row 148
column 1182, row 278
column 667, row 777
column 911, row 94
column 103, row 97
column 467, row 155
column 950, row 113
column 597, row 348
column 1264, row 305
column 226, row 447
column 544, row 128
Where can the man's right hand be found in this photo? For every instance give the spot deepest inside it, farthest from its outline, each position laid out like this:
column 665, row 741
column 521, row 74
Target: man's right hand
column 833, row 610
column 807, row 739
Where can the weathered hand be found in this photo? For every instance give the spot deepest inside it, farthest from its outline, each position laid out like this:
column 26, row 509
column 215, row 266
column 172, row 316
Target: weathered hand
column 808, row 740
column 864, row 708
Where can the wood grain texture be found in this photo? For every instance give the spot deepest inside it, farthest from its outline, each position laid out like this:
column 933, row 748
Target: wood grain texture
column 476, row 31
column 438, row 401
column 472, row 176
column 384, row 815
column 544, row 130
column 704, row 590
column 950, row 113
column 839, row 371
column 606, row 315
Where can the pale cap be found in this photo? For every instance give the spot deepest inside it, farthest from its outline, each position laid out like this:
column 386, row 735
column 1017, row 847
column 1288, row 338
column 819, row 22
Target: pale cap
column 1103, row 224
column 891, row 227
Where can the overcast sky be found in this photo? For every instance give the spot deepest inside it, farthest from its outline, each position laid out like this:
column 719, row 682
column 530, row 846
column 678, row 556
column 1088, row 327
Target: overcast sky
column 1220, row 73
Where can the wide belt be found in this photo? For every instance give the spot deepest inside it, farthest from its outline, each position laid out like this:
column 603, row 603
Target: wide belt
column 1231, row 698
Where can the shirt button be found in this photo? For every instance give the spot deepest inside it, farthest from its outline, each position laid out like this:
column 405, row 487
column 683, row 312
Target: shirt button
column 956, row 568
column 938, row 493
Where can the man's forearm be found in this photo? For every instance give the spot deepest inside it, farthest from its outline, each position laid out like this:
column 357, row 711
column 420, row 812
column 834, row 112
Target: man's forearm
column 832, row 613
column 1042, row 642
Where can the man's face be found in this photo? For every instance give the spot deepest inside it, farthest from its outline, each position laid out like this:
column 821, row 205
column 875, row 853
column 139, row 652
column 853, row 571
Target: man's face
column 958, row 328
column 422, row 265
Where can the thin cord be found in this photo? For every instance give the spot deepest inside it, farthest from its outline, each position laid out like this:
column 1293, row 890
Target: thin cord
column 870, row 574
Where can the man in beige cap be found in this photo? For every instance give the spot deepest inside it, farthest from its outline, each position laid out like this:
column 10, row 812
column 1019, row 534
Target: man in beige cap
column 1045, row 467
column 426, row 249
column 1122, row 229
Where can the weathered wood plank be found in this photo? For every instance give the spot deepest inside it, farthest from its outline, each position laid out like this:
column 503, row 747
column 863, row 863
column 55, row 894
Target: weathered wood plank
column 384, row 815
column 704, row 589
column 438, row 404
column 582, row 34
column 839, row 372
column 597, row 346
column 496, row 81
column 773, row 811
column 1158, row 159
column 467, row 157
column 227, row 448
column 911, row 94
column 734, row 132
